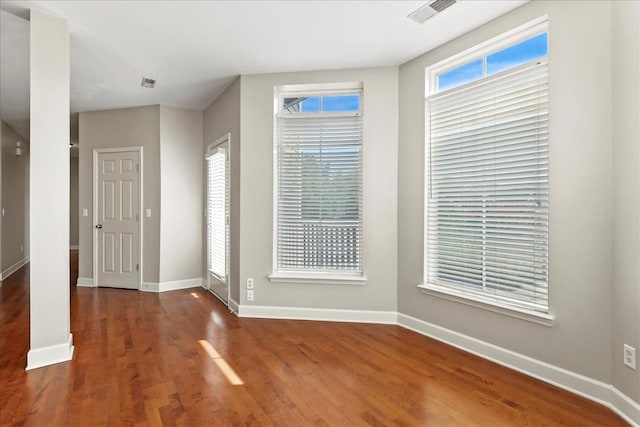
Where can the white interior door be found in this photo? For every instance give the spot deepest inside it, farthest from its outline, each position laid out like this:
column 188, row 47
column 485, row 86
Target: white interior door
column 218, row 218
column 118, row 202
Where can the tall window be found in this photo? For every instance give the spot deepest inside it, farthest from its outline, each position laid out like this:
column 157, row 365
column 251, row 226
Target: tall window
column 217, row 212
column 318, row 182
column 487, row 174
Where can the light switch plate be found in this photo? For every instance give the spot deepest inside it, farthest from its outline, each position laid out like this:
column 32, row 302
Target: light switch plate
column 147, row 213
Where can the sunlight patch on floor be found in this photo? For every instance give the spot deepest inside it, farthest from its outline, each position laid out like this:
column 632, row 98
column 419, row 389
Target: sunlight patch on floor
column 222, row 364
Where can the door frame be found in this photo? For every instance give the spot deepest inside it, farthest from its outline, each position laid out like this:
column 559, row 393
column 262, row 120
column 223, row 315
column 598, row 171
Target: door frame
column 96, row 153
column 224, row 138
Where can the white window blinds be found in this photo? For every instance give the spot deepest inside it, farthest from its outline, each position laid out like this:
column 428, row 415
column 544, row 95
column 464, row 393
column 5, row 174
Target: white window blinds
column 217, row 213
column 487, row 188
column 319, row 193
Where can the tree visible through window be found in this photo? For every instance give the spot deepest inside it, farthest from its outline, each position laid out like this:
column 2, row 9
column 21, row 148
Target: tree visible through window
column 319, row 183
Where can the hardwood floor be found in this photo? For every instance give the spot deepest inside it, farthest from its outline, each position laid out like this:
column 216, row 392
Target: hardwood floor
column 180, row 358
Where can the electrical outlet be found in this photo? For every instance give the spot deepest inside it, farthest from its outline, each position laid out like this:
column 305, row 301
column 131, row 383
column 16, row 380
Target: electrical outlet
column 250, row 295
column 21, row 248
column 249, row 282
column 629, row 355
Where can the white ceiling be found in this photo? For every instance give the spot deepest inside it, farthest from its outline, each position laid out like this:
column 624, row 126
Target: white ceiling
column 196, row 48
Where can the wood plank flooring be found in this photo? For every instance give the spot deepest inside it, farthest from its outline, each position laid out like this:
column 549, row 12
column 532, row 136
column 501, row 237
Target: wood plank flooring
column 181, row 359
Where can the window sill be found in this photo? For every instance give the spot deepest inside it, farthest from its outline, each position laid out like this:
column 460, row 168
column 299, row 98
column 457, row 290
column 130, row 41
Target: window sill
column 318, row 278
column 487, row 304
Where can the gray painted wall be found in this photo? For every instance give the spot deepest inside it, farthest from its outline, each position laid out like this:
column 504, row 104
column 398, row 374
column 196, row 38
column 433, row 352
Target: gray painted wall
column 122, row 128
column 626, row 192
column 181, row 191
column 1, row 139
column 15, row 198
column 223, row 116
column 74, row 198
column 580, row 194
column 380, row 137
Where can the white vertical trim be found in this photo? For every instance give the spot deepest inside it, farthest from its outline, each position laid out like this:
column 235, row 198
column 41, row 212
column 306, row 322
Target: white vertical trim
column 226, row 138
column 49, row 296
column 96, row 152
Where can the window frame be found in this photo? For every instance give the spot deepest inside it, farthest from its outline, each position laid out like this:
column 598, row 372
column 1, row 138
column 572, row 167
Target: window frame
column 279, row 275
column 481, row 51
column 213, row 149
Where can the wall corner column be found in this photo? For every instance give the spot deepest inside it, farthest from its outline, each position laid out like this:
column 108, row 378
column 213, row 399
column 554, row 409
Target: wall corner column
column 51, row 340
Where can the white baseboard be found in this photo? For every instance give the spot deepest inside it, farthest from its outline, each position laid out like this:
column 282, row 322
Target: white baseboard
column 171, row 286
column 74, row 247
column 149, row 286
column 234, row 306
column 622, row 405
column 589, row 388
column 85, row 282
column 39, row 357
column 13, row 268
column 581, row 385
column 323, row 314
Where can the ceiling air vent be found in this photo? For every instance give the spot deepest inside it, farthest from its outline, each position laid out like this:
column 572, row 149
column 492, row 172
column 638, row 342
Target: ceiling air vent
column 424, row 12
column 148, row 83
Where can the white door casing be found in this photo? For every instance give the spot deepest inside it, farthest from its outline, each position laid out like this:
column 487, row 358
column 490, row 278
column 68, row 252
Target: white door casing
column 217, row 221
column 117, row 232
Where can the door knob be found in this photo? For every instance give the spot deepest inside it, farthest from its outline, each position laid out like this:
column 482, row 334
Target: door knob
column 99, row 226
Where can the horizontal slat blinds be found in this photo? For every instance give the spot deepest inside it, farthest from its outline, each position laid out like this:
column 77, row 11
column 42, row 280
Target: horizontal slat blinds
column 319, row 185
column 217, row 214
column 487, row 210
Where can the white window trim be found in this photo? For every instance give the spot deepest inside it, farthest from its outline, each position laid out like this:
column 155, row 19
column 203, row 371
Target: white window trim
column 282, row 276
column 212, row 149
column 320, row 277
column 514, row 36
column 311, row 93
column 495, row 44
column 487, row 304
